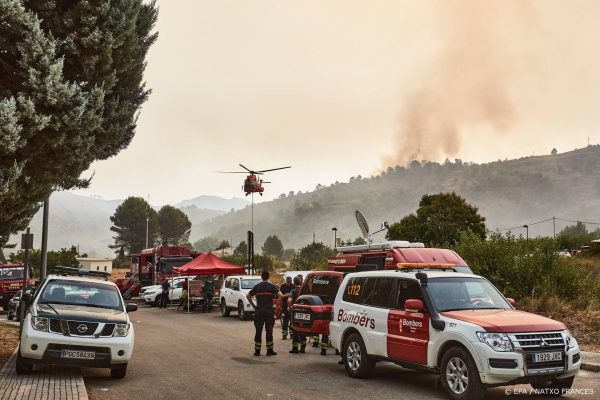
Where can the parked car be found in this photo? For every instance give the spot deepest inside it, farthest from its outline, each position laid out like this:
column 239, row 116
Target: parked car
column 76, row 321
column 233, row 295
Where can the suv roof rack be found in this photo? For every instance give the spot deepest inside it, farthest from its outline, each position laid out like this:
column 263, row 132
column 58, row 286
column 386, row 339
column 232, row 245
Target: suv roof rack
column 379, row 246
column 81, row 272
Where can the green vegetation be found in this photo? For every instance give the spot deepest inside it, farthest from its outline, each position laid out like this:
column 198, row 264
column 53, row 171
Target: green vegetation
column 207, row 243
column 575, row 236
column 439, row 221
column 129, row 224
column 532, row 271
column 273, row 247
column 64, row 258
column 312, row 257
column 173, row 226
column 71, row 86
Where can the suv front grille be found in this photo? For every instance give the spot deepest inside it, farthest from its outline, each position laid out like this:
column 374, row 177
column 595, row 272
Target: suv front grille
column 55, row 325
column 80, row 328
column 547, row 342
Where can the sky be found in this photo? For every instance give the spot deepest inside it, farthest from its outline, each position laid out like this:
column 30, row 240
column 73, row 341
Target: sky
column 344, row 88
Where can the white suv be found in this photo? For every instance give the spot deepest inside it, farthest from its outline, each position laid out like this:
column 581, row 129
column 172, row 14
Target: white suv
column 78, row 322
column 452, row 324
column 233, row 295
column 151, row 294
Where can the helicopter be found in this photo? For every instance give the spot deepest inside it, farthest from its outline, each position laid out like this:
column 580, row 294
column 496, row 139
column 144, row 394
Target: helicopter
column 252, row 184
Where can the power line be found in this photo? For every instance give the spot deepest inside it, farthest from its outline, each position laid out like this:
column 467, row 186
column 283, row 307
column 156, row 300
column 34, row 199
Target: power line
column 548, row 220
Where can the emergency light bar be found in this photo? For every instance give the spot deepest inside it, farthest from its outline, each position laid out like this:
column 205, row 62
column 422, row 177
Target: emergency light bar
column 81, row 272
column 424, row 266
column 379, row 246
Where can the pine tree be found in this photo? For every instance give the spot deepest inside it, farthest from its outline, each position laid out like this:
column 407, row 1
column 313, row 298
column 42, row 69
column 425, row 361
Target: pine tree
column 70, row 90
column 174, row 226
column 129, row 223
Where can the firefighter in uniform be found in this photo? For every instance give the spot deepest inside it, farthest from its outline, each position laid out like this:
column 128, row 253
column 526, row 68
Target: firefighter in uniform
column 264, row 316
column 285, row 289
column 298, row 339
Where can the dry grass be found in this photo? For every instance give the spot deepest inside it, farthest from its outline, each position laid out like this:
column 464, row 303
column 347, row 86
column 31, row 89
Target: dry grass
column 583, row 324
column 9, row 342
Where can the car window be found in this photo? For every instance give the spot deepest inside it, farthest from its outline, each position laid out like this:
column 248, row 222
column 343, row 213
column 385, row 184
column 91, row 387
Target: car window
column 249, row 283
column 407, row 289
column 82, row 293
column 378, row 292
column 324, row 286
column 235, row 284
column 354, row 290
column 228, row 283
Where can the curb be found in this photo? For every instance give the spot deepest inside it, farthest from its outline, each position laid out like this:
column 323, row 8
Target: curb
column 590, row 367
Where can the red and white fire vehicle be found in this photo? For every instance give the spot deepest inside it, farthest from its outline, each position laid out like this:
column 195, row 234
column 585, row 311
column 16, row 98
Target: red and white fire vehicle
column 11, row 281
column 453, row 324
column 152, row 266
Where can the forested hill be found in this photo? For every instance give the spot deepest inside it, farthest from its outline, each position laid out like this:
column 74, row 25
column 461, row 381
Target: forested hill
column 508, row 193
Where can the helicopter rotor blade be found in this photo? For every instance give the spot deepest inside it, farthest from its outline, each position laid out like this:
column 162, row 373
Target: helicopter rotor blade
column 265, row 182
column 273, row 169
column 249, row 170
column 231, row 172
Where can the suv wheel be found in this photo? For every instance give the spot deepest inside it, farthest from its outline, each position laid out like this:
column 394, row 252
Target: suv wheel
column 9, row 316
column 356, row 360
column 119, row 371
column 556, row 387
column 224, row 309
column 242, row 312
column 460, row 377
column 22, row 367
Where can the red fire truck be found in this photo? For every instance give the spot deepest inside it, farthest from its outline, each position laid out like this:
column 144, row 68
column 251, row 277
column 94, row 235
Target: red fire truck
column 311, row 312
column 387, row 255
column 11, row 281
column 151, row 266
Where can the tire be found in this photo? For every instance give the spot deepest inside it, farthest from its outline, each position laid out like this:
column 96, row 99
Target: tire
column 553, row 388
column 460, row 377
column 224, row 309
column 9, row 316
column 242, row 314
column 357, row 362
column 22, row 367
column 118, row 372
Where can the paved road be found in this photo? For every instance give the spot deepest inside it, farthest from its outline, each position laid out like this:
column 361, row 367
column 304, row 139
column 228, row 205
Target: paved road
column 191, row 356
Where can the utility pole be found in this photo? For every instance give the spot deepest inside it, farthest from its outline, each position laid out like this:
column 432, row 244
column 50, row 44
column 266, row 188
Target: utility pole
column 554, row 226
column 147, row 222
column 334, row 229
column 527, row 232
column 44, row 266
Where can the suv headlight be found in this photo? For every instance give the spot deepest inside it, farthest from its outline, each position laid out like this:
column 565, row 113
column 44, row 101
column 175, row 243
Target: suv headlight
column 121, row 330
column 569, row 339
column 497, row 341
column 40, row 324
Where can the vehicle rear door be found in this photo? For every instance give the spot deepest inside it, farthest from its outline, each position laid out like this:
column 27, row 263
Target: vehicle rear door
column 408, row 332
column 226, row 290
column 235, row 293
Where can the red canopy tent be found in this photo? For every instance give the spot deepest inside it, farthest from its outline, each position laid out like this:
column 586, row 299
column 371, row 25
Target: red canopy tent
column 208, row 264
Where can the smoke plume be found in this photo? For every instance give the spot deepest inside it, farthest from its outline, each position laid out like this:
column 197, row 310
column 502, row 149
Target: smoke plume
column 499, row 62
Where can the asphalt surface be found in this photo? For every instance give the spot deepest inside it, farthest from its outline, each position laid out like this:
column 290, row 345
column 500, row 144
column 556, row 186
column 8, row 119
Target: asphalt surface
column 199, row 356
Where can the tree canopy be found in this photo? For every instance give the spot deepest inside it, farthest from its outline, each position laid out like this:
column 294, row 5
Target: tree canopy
column 174, row 226
column 129, row 224
column 439, row 221
column 207, row 243
column 312, row 256
column 273, row 246
column 65, row 257
column 71, row 86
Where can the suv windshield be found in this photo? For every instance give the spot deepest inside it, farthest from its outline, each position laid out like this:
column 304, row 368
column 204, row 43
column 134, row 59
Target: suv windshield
column 451, row 294
column 249, row 283
column 11, row 273
column 326, row 287
column 81, row 293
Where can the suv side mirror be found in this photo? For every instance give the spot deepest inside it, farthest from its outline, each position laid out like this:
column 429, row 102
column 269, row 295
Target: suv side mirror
column 27, row 298
column 414, row 305
column 131, row 307
column 512, row 302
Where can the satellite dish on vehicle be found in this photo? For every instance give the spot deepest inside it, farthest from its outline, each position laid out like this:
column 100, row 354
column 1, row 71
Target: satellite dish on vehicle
column 362, row 223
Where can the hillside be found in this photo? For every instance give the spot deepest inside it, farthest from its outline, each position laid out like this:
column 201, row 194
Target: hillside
column 85, row 221
column 508, row 193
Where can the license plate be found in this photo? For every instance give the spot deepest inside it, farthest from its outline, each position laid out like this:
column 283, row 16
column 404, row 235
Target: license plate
column 302, row 316
column 85, row 355
column 545, row 357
